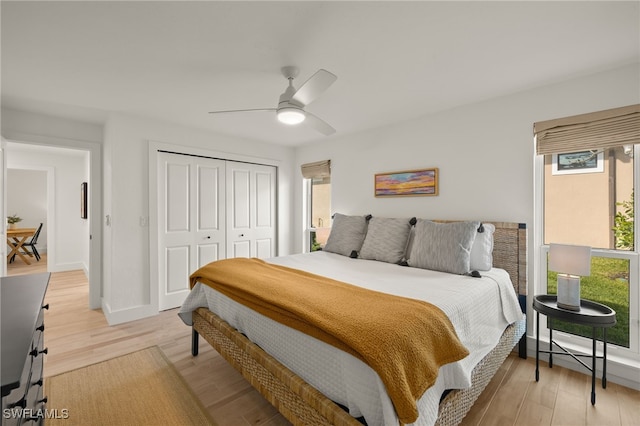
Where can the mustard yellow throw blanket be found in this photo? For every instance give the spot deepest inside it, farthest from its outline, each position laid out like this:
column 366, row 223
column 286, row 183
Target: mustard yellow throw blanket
column 404, row 340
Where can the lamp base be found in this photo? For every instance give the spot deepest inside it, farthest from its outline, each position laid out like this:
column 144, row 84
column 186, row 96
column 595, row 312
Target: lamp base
column 569, row 292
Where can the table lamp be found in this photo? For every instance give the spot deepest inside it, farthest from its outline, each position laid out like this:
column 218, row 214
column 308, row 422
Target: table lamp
column 570, row 262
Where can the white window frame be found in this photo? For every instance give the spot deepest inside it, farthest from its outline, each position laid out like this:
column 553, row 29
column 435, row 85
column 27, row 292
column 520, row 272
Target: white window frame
column 306, row 219
column 306, row 211
column 629, row 355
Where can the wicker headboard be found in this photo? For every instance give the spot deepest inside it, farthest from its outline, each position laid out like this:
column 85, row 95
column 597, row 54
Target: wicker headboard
column 510, row 251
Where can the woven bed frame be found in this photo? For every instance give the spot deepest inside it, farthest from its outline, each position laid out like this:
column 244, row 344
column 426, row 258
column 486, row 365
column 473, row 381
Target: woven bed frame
column 302, row 404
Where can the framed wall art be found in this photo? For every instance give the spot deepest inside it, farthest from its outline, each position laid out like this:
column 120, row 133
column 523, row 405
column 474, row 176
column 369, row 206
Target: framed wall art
column 577, row 162
column 407, row 183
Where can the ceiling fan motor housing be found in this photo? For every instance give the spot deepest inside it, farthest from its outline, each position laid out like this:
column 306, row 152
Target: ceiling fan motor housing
column 289, row 111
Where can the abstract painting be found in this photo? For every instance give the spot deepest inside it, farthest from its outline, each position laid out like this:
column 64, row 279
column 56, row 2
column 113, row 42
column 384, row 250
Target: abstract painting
column 412, row 182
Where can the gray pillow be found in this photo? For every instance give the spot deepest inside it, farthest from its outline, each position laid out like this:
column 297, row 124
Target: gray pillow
column 347, row 234
column 386, row 239
column 443, row 247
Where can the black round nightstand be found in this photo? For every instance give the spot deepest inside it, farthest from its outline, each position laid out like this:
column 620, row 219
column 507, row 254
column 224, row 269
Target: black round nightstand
column 592, row 314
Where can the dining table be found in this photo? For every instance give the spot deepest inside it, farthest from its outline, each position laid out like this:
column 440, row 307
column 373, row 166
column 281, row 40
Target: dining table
column 16, row 237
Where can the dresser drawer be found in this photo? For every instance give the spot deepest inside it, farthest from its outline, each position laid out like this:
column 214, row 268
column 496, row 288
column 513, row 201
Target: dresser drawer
column 22, row 348
column 12, row 406
column 34, row 412
column 36, row 405
column 23, row 403
column 39, row 330
column 16, row 399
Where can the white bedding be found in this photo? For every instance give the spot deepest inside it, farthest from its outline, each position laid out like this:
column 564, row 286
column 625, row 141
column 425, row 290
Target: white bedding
column 479, row 309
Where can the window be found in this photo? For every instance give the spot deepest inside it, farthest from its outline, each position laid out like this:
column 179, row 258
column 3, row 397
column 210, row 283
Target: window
column 587, row 176
column 581, row 207
column 318, row 212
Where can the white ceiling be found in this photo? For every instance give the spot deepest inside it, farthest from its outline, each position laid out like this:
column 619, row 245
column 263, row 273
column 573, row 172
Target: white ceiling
column 175, row 61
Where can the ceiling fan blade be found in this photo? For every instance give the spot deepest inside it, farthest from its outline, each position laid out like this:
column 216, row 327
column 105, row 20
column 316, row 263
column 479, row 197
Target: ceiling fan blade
column 312, row 88
column 242, row 110
column 319, row 124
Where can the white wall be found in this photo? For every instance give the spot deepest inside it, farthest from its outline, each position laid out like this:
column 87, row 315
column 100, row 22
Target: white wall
column 27, row 197
column 127, row 292
column 34, row 124
column 484, row 152
column 67, row 170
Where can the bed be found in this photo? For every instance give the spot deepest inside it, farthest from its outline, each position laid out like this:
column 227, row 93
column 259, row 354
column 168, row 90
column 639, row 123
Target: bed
column 311, row 382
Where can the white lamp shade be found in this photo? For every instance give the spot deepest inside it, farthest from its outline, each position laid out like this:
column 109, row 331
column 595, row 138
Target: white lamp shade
column 290, row 115
column 570, row 259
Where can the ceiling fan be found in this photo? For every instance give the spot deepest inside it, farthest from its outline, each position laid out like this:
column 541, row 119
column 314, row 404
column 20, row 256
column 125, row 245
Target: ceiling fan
column 292, row 103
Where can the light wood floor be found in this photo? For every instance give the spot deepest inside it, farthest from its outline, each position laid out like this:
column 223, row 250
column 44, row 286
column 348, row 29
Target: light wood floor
column 77, row 336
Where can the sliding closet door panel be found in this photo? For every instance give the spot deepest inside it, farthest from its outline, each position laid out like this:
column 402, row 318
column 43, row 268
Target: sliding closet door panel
column 211, row 230
column 174, row 196
column 191, row 214
column 252, row 205
column 238, row 209
column 265, row 211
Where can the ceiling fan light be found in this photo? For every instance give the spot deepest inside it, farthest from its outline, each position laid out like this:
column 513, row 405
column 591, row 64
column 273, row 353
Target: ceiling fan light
column 290, row 115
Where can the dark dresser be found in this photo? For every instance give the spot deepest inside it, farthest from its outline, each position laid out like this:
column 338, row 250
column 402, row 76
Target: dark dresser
column 22, row 344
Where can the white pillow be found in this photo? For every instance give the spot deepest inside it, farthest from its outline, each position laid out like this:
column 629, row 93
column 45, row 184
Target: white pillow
column 482, row 249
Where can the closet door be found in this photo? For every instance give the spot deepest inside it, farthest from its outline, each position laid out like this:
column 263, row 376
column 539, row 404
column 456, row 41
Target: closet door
column 251, row 210
column 191, row 203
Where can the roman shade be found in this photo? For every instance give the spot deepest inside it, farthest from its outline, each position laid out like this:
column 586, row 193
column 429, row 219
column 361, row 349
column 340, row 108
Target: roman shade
column 597, row 130
column 319, row 169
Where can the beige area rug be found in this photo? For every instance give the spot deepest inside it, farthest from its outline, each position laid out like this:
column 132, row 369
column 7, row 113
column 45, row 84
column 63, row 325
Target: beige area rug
column 141, row 388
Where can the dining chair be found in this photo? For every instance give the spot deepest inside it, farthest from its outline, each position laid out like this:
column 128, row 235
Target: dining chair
column 31, row 243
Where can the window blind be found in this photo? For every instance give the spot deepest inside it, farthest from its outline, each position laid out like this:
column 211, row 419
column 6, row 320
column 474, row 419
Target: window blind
column 319, row 169
column 596, row 130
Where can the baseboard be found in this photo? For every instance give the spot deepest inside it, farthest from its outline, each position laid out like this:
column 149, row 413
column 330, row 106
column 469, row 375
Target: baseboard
column 129, row 314
column 617, row 371
column 63, row 267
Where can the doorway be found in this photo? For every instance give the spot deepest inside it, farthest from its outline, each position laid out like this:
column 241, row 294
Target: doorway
column 69, row 242
column 28, row 201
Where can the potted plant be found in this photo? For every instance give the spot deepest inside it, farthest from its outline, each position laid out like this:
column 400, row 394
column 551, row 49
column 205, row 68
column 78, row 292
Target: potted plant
column 12, row 220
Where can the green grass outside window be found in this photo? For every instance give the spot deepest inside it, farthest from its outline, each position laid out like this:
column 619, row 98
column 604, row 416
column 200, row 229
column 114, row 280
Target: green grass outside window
column 608, row 284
